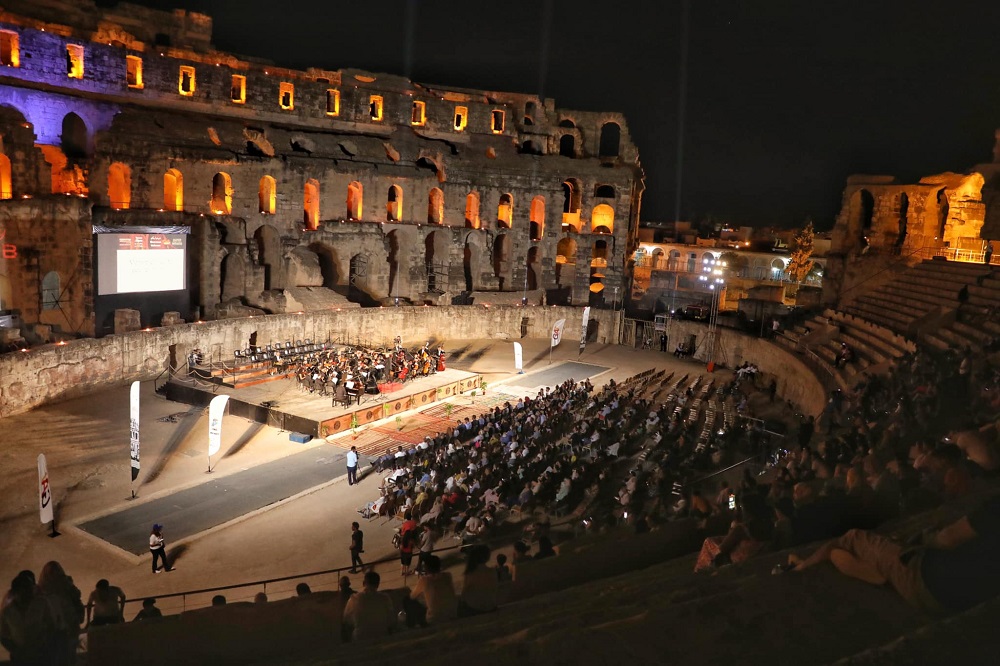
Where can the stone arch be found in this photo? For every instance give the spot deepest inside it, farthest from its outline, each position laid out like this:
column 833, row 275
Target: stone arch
column 505, row 211
column 610, row 140
column 435, row 206
column 904, row 213
column 51, row 290
column 470, row 262
column 501, row 258
column 472, row 220
column 531, row 265
column 392, row 258
column 5, row 178
column 310, row 204
column 572, row 200
column 565, row 261
column 537, row 216
column 567, row 123
column 269, row 255
column 529, row 147
column 599, row 254
column 862, row 208
column 119, row 185
column 777, row 269
column 436, row 259
column 360, row 280
column 233, row 276
column 759, row 269
column 602, row 220
column 567, row 145
column 529, row 113
column 222, row 194
column 942, row 213
column 329, row 267
column 674, row 260
column 267, row 194
column 604, row 191
column 74, row 140
column 355, row 197
column 173, row 190
column 394, row 204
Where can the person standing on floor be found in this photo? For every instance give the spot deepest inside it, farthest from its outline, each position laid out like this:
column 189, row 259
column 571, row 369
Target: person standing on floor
column 663, row 342
column 158, row 547
column 357, row 547
column 352, row 466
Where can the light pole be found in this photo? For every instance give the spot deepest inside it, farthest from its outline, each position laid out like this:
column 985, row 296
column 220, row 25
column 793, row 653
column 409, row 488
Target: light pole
column 712, row 277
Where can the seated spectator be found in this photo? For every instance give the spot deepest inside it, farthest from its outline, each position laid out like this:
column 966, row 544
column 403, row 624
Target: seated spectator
column 480, row 585
column 58, row 602
column 302, row 589
column 149, row 610
column 105, row 604
column 502, row 569
column 219, row 600
column 369, row 613
column 521, row 552
column 545, row 548
column 260, row 598
column 748, row 534
column 436, row 592
column 15, row 630
column 956, row 569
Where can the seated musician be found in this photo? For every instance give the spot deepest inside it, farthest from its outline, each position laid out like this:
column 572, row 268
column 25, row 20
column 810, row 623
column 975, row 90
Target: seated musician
column 440, row 360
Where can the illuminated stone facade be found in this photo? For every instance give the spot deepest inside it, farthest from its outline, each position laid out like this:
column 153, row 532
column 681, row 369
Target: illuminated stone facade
column 303, row 189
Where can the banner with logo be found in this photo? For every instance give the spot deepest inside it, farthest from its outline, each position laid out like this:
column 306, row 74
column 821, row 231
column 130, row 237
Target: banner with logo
column 216, row 408
column 44, row 492
column 518, row 358
column 557, row 332
column 583, row 328
column 133, row 424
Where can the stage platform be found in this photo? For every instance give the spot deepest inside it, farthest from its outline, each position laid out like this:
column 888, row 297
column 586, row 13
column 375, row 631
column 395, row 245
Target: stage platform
column 282, row 404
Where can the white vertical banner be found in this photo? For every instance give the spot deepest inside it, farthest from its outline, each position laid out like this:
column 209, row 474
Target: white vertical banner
column 557, row 331
column 518, row 358
column 583, row 328
column 133, row 426
column 45, row 513
column 216, row 408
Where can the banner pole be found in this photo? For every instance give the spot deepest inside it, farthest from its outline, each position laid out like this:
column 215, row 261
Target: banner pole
column 53, row 534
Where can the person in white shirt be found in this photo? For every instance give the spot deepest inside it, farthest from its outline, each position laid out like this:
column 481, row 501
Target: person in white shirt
column 352, row 466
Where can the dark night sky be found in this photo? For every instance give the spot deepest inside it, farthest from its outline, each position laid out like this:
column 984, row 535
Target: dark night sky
column 784, row 99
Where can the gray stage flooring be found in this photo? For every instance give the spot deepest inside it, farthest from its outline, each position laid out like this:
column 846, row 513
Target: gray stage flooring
column 557, row 374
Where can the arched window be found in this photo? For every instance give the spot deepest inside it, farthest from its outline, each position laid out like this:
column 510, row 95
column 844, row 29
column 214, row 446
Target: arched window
column 354, row 195
column 435, row 206
column 222, row 194
column 571, row 205
column 602, row 220
column 505, row 212
column 529, row 113
column 267, row 194
column 173, row 190
column 394, row 204
column 74, row 136
column 537, row 215
column 599, row 255
column 472, row 211
column 567, row 145
column 310, row 204
column 50, row 291
column 610, row 140
column 5, row 186
column 119, row 185
column 604, row 191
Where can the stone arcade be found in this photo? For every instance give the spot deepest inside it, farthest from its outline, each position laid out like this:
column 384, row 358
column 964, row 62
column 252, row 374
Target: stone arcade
column 301, row 189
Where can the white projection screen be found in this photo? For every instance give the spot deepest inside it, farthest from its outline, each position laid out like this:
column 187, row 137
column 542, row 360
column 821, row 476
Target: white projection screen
column 137, row 263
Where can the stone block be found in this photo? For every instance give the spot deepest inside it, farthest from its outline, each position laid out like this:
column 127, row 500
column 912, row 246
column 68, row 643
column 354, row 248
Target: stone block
column 171, row 319
column 127, row 320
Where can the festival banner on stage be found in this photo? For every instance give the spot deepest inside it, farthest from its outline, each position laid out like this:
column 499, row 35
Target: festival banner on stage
column 133, row 424
column 583, row 328
column 518, row 358
column 215, row 410
column 557, row 332
column 44, row 492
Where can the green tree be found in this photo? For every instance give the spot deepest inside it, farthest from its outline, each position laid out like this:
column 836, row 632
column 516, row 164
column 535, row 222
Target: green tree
column 802, row 249
column 735, row 263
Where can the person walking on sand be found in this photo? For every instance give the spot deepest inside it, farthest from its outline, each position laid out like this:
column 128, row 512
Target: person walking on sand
column 158, row 547
column 357, row 547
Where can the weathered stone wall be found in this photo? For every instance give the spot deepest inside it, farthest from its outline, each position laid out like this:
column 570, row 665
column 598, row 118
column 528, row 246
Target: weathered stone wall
column 54, row 372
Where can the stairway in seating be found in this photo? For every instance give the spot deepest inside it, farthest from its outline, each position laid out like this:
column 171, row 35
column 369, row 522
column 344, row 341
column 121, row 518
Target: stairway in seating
column 977, row 322
column 928, row 288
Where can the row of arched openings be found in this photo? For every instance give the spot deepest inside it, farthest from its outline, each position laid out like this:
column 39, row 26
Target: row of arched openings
column 602, row 218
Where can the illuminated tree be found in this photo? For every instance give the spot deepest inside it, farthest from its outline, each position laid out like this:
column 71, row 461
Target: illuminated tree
column 735, row 263
column 802, row 249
